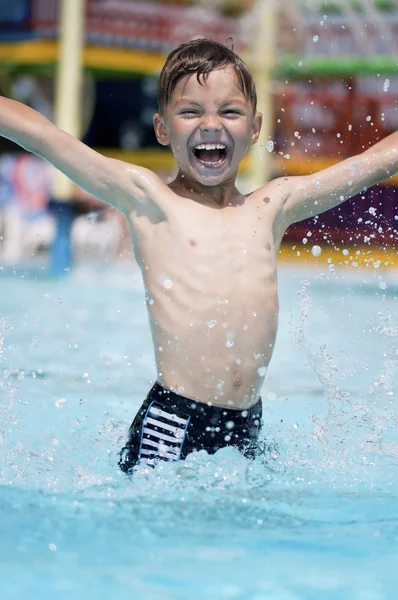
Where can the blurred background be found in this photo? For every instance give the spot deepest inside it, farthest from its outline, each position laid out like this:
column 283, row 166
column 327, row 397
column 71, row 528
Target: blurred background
column 327, row 80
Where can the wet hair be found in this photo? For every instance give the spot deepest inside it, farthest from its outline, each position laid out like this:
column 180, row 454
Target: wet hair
column 202, row 56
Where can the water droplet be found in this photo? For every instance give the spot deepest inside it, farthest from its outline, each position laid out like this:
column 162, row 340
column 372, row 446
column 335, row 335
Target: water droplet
column 229, row 343
column 270, row 145
column 262, row 371
column 368, row 118
column 315, row 39
column 345, row 252
column 316, row 250
column 386, row 85
column 92, row 217
column 165, row 281
column 382, row 285
column 211, row 324
column 222, row 301
column 305, row 240
column 229, row 424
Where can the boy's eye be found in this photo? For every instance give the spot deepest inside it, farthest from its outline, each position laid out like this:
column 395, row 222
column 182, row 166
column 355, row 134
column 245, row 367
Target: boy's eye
column 232, row 112
column 188, row 113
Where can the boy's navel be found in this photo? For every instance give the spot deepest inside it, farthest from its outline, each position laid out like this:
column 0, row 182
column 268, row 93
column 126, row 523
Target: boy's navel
column 237, row 378
column 192, row 242
column 266, row 200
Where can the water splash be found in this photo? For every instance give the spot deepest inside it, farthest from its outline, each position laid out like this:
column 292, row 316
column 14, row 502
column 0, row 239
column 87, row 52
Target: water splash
column 8, row 390
column 353, row 438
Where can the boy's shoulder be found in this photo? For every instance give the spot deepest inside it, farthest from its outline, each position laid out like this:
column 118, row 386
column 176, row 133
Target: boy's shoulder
column 148, row 192
column 273, row 192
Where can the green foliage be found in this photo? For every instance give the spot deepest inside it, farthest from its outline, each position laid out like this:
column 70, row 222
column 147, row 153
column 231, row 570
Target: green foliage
column 330, row 7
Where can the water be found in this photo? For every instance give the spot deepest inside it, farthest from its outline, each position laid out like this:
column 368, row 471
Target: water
column 319, row 521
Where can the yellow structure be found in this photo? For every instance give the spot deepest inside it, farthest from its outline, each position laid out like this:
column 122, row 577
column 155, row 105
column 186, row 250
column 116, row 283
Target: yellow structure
column 262, row 62
column 68, row 84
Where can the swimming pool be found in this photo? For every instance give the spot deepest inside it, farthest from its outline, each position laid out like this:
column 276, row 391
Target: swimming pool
column 321, row 521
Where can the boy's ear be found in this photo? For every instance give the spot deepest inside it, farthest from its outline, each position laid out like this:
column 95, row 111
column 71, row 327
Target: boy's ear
column 160, row 130
column 256, row 128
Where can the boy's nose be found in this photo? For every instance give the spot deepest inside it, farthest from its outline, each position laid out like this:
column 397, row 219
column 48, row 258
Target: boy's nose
column 210, row 124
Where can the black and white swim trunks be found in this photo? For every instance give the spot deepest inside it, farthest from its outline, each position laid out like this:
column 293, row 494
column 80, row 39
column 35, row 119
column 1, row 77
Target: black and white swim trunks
column 169, row 427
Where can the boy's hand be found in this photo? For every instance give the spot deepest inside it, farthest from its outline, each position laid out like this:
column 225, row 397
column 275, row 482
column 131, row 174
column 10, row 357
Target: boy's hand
column 311, row 195
column 117, row 183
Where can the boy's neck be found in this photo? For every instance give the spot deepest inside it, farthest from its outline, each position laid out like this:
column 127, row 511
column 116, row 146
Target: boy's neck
column 225, row 194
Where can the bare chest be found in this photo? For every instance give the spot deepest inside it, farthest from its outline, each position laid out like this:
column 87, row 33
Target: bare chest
column 221, row 241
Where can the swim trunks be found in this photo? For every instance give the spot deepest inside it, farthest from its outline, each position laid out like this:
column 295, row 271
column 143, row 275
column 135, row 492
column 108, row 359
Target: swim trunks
column 168, row 427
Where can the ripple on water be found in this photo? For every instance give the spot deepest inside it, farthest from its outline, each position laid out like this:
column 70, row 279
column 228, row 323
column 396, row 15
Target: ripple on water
column 317, row 519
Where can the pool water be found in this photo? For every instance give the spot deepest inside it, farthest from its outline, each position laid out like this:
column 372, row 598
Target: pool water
column 318, row 520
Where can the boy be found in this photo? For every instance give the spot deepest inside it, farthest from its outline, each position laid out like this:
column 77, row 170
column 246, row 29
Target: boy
column 207, row 253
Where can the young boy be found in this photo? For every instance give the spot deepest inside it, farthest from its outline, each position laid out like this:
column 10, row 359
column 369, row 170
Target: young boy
column 207, row 253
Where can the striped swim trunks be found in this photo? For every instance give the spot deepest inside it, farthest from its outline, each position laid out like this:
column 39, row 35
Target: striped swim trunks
column 168, row 427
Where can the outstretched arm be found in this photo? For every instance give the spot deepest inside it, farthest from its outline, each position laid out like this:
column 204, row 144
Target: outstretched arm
column 117, row 183
column 311, row 195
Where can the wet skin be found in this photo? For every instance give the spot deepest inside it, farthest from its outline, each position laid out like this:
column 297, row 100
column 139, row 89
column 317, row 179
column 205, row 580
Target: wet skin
column 208, row 253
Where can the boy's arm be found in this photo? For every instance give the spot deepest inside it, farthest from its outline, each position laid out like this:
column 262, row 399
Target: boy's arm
column 311, row 195
column 117, row 183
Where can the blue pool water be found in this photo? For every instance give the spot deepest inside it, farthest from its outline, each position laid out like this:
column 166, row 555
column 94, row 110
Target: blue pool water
column 321, row 521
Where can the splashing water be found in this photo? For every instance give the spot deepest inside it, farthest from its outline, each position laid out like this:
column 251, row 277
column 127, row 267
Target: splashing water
column 354, row 432
column 70, row 522
column 8, row 391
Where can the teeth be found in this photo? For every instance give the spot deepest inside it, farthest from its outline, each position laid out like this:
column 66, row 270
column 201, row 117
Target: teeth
column 210, row 147
column 213, row 163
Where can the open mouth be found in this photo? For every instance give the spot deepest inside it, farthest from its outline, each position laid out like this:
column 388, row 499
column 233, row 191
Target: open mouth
column 211, row 155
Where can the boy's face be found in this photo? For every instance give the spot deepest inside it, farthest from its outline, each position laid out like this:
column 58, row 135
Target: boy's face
column 209, row 126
